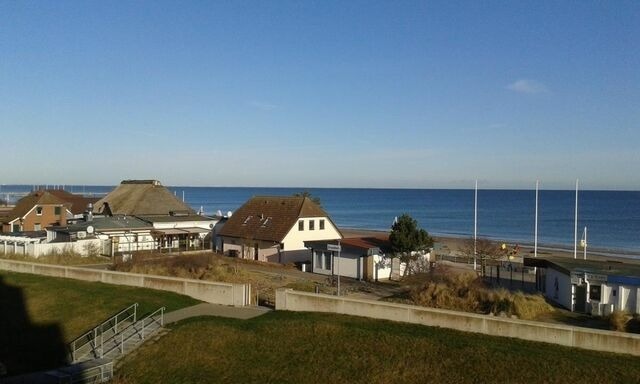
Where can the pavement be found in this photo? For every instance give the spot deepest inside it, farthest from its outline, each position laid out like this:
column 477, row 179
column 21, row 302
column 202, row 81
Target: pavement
column 207, row 309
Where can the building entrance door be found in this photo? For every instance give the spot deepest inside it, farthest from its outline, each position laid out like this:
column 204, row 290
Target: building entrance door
column 581, row 298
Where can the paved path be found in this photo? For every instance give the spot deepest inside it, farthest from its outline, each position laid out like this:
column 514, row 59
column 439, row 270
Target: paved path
column 207, row 309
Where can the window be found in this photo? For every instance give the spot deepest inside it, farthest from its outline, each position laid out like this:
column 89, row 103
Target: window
column 39, row 211
column 312, row 225
column 318, row 259
column 614, row 293
column 594, row 292
column 56, row 211
column 321, row 224
column 37, row 227
column 300, row 225
column 327, row 260
column 16, row 228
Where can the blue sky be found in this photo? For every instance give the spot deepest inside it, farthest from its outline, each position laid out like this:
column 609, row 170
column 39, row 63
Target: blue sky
column 321, row 94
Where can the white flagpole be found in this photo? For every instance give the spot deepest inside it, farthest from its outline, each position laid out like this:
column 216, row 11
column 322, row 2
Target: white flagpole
column 535, row 236
column 575, row 229
column 475, row 227
column 585, row 242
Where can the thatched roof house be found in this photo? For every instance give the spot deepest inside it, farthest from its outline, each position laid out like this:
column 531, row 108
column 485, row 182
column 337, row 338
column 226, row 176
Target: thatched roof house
column 142, row 198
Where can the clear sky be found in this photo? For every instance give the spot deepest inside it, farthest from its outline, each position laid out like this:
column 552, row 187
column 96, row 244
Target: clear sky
column 425, row 94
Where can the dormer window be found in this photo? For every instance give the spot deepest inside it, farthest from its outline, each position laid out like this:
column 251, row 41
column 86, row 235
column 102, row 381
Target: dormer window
column 312, row 225
column 39, row 211
column 321, row 224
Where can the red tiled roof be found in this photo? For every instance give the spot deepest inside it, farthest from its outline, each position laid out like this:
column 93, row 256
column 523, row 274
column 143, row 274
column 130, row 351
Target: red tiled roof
column 378, row 241
column 24, row 205
column 77, row 203
column 269, row 218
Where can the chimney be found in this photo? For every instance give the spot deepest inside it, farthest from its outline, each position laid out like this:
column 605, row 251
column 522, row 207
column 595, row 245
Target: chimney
column 88, row 214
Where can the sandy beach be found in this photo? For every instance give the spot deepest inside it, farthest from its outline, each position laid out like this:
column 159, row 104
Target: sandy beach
column 447, row 245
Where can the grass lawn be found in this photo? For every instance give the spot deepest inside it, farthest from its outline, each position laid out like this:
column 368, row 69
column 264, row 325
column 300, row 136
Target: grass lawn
column 39, row 315
column 290, row 347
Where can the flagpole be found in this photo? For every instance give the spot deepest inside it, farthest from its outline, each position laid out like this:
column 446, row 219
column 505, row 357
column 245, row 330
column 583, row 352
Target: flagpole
column 535, row 237
column 585, row 243
column 575, row 228
column 475, row 228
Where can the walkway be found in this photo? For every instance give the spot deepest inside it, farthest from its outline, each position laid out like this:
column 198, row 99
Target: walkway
column 207, row 309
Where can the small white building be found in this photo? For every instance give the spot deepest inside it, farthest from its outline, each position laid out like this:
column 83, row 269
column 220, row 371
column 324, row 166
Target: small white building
column 362, row 258
column 588, row 286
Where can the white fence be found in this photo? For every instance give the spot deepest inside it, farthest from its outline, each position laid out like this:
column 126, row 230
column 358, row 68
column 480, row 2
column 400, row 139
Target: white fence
column 81, row 247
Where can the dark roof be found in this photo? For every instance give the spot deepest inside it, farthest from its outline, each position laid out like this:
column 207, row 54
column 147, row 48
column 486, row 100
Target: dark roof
column 29, row 234
column 366, row 244
column 141, row 198
column 616, row 271
column 270, row 218
column 78, row 203
column 24, row 205
column 108, row 223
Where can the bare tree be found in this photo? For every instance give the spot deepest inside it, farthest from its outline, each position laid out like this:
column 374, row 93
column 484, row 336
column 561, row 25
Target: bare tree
column 485, row 249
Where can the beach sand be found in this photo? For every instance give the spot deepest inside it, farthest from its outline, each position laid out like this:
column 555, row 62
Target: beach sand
column 451, row 246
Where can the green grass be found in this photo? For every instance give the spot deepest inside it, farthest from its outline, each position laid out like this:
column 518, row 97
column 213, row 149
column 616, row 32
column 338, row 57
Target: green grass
column 39, row 315
column 289, row 347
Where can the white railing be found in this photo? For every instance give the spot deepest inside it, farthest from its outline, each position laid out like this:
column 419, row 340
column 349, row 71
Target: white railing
column 92, row 341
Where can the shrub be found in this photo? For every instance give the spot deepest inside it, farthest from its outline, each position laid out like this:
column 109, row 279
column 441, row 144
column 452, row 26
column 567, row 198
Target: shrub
column 618, row 320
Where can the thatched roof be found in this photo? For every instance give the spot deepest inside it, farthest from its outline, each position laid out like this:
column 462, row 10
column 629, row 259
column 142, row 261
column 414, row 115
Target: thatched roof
column 269, row 218
column 140, row 198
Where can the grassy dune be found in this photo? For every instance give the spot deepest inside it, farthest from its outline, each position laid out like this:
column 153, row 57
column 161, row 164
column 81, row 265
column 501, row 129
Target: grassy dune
column 288, row 347
column 39, row 315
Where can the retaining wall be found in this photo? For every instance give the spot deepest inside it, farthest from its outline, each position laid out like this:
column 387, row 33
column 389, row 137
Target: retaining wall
column 210, row 292
column 599, row 340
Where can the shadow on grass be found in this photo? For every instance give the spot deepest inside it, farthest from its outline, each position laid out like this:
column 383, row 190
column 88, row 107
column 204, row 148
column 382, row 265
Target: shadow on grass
column 24, row 346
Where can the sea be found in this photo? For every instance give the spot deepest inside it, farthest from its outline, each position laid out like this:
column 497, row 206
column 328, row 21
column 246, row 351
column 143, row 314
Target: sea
column 611, row 218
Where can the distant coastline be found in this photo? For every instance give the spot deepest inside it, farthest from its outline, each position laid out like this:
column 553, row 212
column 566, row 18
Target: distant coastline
column 612, row 217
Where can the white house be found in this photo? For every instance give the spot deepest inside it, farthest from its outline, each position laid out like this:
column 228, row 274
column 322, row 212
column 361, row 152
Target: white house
column 596, row 287
column 274, row 228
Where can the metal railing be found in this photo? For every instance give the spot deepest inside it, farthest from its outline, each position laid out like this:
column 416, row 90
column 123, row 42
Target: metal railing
column 92, row 341
column 141, row 326
column 100, row 374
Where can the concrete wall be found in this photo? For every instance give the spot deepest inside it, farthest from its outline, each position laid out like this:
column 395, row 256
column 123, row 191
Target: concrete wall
column 609, row 341
column 211, row 292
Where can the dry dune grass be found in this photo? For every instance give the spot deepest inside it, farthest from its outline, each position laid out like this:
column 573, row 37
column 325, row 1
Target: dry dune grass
column 58, row 258
column 466, row 292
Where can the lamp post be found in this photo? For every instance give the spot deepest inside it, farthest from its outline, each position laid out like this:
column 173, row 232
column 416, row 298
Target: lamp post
column 336, row 248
